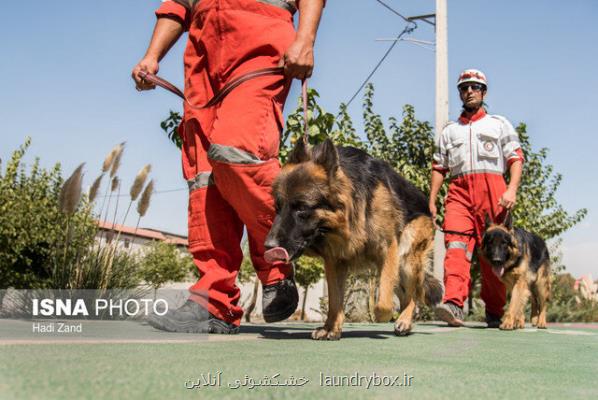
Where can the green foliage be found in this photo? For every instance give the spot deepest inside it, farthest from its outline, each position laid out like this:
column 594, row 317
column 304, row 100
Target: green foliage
column 246, row 272
column 408, row 147
column 104, row 268
column 37, row 241
column 537, row 209
column 308, row 271
column 321, row 124
column 45, row 245
column 170, row 125
column 163, row 263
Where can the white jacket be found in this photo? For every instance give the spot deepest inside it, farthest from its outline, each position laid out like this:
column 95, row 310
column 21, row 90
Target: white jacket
column 485, row 145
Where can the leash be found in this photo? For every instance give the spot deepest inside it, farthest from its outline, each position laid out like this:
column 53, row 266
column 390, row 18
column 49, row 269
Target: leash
column 229, row 87
column 465, row 233
column 453, row 232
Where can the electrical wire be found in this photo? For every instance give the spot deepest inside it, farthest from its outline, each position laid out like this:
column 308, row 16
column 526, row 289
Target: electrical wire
column 154, row 192
column 411, row 26
column 408, row 29
column 394, row 11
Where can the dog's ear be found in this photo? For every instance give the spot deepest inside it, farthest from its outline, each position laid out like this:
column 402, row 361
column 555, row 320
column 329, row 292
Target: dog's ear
column 299, row 153
column 488, row 220
column 325, row 155
column 508, row 223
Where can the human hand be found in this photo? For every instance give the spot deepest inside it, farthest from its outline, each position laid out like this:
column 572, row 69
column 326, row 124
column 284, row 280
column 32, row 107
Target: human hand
column 148, row 65
column 298, row 60
column 508, row 199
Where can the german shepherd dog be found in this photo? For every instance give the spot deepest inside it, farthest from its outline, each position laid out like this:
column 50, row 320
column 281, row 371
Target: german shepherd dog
column 521, row 261
column 355, row 212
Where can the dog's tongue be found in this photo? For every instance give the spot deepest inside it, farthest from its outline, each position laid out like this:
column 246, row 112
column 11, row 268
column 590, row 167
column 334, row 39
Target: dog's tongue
column 276, row 254
column 498, row 271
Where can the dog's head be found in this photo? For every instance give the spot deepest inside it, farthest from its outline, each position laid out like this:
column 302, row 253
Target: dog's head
column 307, row 202
column 499, row 245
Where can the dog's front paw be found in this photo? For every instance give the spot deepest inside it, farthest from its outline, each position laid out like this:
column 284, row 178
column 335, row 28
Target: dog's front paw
column 507, row 324
column 402, row 328
column 382, row 314
column 322, row 333
column 519, row 323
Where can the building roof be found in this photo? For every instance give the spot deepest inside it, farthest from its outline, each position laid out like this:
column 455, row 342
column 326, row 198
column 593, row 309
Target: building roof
column 145, row 233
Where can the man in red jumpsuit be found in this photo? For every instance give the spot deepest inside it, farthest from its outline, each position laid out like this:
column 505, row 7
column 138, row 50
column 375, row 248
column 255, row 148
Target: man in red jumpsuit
column 476, row 151
column 230, row 151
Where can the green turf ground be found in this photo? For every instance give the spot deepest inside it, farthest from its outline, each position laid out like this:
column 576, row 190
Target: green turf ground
column 561, row 362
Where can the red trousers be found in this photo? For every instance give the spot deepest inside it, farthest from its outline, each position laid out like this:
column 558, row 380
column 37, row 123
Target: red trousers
column 230, row 150
column 470, row 198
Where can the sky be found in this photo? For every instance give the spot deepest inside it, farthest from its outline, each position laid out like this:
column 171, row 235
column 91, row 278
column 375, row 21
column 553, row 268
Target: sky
column 65, row 82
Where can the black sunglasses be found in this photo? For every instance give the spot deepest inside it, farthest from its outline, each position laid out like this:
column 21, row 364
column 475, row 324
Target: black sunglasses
column 476, row 87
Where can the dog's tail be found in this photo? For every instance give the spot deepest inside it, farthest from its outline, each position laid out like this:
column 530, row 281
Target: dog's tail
column 433, row 290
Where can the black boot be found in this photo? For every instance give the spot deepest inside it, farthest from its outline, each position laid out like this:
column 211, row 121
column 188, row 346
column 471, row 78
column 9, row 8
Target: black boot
column 492, row 321
column 191, row 318
column 279, row 300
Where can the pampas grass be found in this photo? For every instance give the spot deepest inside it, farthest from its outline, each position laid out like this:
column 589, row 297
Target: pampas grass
column 110, row 158
column 143, row 205
column 95, row 188
column 115, row 184
column 144, row 202
column 117, row 157
column 137, row 187
column 139, row 181
column 75, row 262
column 107, row 166
column 68, row 201
column 70, row 194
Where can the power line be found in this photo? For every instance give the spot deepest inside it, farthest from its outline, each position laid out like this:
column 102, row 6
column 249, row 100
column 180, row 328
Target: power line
column 154, row 192
column 411, row 26
column 394, row 11
column 408, row 29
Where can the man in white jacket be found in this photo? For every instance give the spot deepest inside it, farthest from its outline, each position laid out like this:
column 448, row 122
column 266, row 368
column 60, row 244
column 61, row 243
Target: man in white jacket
column 475, row 151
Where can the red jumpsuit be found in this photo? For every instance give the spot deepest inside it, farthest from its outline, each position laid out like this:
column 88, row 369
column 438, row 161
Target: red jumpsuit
column 476, row 151
column 230, row 151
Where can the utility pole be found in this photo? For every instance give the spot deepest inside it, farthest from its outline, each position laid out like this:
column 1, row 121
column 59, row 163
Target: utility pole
column 442, row 111
column 439, row 21
column 440, row 26
column 441, row 67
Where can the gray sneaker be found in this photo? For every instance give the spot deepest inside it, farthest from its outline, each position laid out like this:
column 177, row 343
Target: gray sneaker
column 191, row 318
column 450, row 313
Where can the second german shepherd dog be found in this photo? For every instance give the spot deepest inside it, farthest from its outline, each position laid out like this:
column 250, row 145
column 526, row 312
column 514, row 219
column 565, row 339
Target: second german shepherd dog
column 355, row 212
column 521, row 261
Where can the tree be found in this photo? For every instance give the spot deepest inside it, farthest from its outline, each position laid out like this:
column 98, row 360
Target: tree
column 537, row 209
column 163, row 263
column 308, row 271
